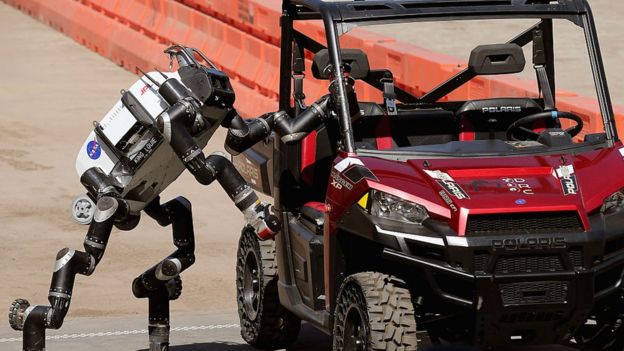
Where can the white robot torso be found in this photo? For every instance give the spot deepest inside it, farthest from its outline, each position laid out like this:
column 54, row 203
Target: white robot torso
column 136, row 156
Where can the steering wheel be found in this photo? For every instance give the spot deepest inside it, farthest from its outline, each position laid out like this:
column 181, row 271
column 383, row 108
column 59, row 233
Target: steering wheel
column 521, row 124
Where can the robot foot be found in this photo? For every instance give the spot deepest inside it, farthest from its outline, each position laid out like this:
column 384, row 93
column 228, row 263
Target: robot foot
column 17, row 313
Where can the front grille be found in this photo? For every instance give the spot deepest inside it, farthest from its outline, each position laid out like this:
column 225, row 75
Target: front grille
column 518, row 264
column 576, row 257
column 481, row 261
column 524, row 223
column 529, row 264
column 531, row 293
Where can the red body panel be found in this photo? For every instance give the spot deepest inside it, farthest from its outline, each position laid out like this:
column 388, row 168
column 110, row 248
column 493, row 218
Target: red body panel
column 493, row 185
column 486, row 181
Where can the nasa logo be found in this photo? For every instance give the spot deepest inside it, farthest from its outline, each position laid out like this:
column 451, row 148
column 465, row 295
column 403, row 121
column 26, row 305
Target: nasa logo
column 94, row 150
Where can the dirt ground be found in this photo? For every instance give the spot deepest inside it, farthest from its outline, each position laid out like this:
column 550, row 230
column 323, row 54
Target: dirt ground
column 51, row 89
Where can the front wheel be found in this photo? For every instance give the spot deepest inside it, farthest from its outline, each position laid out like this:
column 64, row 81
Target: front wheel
column 265, row 324
column 374, row 311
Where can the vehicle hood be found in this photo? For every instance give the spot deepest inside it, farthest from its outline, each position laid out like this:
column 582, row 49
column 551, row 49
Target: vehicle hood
column 459, row 187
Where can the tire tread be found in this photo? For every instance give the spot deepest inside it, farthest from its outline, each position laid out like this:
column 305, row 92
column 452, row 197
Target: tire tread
column 275, row 327
column 389, row 306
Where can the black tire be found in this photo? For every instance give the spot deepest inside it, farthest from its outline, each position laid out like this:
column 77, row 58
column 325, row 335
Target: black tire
column 374, row 311
column 265, row 324
column 606, row 332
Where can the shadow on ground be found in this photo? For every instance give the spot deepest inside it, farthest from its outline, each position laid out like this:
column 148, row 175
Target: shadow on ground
column 311, row 339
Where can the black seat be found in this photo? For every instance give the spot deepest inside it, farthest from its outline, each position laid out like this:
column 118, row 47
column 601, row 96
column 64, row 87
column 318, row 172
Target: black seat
column 408, row 128
column 490, row 118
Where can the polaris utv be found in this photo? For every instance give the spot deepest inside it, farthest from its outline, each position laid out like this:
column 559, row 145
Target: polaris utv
column 414, row 217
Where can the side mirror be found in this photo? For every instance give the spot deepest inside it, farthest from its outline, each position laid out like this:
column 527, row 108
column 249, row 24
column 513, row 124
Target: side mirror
column 355, row 61
column 496, row 59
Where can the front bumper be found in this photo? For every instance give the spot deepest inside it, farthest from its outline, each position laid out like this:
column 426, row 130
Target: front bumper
column 522, row 293
column 528, row 308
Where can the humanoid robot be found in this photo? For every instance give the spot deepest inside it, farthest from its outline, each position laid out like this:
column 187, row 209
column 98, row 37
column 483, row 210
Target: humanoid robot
column 155, row 131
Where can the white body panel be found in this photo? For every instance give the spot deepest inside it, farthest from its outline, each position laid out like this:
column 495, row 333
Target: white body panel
column 158, row 169
column 118, row 121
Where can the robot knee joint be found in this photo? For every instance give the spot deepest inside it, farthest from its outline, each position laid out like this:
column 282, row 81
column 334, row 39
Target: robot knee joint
column 191, row 258
column 63, row 257
column 90, row 268
column 168, row 269
column 64, row 252
column 184, row 202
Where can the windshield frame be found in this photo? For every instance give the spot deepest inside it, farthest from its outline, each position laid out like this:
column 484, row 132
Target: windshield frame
column 342, row 16
column 403, row 155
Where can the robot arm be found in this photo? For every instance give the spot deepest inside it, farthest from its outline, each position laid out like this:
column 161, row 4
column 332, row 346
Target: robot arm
column 180, row 122
column 295, row 129
column 244, row 134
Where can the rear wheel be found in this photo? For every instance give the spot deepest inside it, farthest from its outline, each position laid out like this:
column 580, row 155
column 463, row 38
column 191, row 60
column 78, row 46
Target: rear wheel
column 374, row 311
column 604, row 330
column 265, row 324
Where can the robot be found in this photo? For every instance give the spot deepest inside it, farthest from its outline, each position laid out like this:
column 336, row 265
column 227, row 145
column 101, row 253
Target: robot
column 153, row 133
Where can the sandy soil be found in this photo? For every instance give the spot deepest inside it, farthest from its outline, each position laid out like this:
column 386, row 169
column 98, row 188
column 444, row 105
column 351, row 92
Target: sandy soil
column 50, row 91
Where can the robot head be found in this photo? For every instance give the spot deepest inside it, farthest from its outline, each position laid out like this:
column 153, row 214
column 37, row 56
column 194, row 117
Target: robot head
column 210, row 85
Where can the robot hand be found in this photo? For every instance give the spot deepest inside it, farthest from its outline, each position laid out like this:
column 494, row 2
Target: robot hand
column 264, row 223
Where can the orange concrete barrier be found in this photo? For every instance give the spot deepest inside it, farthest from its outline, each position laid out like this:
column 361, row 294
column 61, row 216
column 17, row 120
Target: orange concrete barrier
column 242, row 37
column 98, row 41
column 133, row 33
column 416, row 70
column 244, row 57
column 30, row 8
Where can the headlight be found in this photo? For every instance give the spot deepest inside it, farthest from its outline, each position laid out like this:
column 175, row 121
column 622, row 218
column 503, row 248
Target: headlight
column 613, row 202
column 384, row 205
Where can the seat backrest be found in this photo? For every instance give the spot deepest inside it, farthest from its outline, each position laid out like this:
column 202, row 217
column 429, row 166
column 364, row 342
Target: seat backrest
column 407, row 128
column 476, row 118
column 355, row 61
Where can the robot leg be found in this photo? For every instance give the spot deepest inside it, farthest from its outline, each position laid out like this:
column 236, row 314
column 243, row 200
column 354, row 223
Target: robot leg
column 34, row 320
column 162, row 282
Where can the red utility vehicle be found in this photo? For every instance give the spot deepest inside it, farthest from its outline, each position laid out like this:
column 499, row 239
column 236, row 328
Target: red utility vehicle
column 415, row 218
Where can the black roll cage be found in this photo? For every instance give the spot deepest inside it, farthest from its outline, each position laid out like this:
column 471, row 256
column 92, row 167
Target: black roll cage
column 340, row 16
